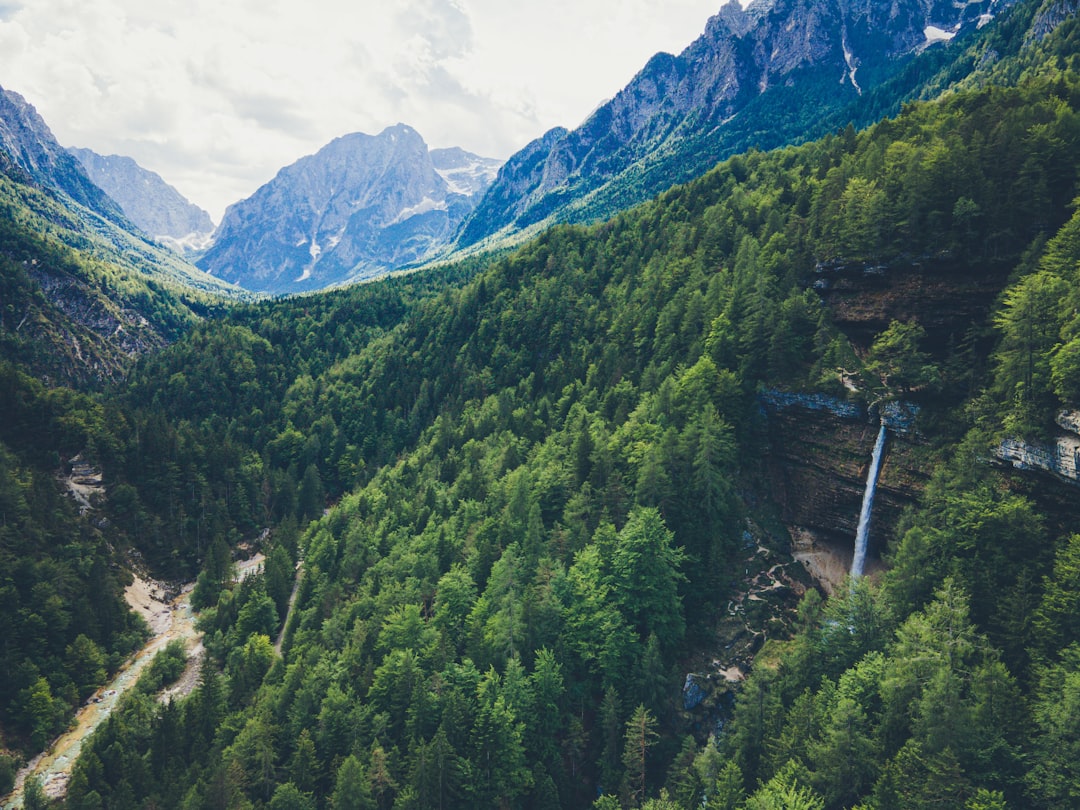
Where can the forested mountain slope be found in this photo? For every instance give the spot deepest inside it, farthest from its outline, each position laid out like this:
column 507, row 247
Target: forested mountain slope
column 172, row 494
column 548, row 475
column 84, row 292
column 82, row 296
column 28, row 147
column 80, row 306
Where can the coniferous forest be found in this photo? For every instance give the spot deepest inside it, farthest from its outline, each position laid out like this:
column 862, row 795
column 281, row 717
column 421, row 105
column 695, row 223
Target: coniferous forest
column 516, row 497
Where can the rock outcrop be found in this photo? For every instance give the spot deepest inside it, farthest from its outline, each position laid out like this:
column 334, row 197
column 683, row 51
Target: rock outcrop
column 946, row 297
column 1059, row 456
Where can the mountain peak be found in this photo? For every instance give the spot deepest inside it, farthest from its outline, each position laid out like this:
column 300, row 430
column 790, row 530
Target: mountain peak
column 360, row 206
column 757, row 77
column 737, row 19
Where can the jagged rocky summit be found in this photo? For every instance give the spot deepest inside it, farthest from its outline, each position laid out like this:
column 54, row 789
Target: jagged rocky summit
column 361, row 206
column 763, row 76
column 149, row 202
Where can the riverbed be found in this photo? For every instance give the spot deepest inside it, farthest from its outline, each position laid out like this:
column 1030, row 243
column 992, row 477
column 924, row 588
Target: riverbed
column 168, row 619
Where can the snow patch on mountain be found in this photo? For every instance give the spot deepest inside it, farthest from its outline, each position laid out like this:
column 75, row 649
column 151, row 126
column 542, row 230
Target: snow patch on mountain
column 422, row 207
column 187, row 244
column 935, row 34
column 464, row 172
column 852, row 64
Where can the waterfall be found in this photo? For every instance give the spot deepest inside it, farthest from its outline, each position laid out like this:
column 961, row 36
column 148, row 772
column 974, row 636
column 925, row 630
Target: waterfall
column 863, row 531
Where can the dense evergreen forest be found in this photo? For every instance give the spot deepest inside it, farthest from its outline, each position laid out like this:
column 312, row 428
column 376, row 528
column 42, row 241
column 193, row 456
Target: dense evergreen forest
column 520, row 491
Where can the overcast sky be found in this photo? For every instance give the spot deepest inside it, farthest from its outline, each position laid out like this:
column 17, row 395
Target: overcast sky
column 217, row 95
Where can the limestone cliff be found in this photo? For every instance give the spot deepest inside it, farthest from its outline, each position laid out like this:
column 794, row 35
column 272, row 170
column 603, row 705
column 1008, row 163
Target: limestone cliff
column 1059, row 456
column 945, row 296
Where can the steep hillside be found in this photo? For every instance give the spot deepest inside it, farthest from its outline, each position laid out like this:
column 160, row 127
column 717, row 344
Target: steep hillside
column 27, row 145
column 85, row 293
column 361, row 206
column 83, row 297
column 61, row 596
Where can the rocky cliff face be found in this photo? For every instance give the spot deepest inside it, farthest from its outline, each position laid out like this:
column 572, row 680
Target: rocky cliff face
column 944, row 296
column 756, row 77
column 81, row 336
column 147, row 200
column 819, row 454
column 359, row 207
column 30, row 152
column 1059, row 456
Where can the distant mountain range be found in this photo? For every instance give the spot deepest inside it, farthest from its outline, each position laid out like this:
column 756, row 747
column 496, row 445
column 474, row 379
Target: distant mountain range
column 361, row 206
column 777, row 72
column 148, row 201
column 774, row 73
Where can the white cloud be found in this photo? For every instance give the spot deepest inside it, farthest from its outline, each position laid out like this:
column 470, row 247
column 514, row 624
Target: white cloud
column 217, row 95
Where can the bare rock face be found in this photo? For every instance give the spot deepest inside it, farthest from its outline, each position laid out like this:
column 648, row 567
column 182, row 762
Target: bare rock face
column 359, row 207
column 943, row 295
column 148, row 201
column 1059, row 456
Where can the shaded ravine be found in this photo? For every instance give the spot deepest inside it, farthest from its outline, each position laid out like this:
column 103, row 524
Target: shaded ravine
column 168, row 622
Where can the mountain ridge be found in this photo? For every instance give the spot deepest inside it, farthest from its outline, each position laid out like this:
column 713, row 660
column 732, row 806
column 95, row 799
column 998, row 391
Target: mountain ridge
column 146, row 199
column 676, row 110
column 86, row 293
column 29, row 146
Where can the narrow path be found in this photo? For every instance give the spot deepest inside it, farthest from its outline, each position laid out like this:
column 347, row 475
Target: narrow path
column 292, row 604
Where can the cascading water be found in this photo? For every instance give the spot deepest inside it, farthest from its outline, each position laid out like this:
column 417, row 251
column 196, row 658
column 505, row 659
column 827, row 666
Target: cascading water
column 863, row 531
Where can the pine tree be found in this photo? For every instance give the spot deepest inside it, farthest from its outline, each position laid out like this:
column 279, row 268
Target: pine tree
column 640, row 737
column 352, row 791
